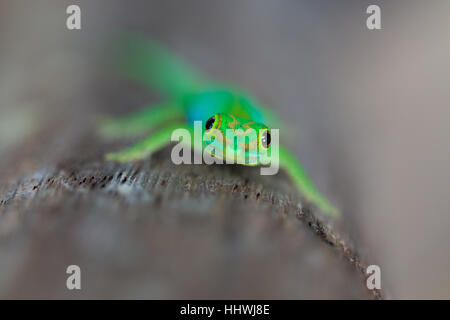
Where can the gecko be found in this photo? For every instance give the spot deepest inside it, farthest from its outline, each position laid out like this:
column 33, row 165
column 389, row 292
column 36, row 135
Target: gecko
column 191, row 97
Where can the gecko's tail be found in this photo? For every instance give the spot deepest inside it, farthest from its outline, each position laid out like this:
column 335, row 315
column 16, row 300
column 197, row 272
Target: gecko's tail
column 149, row 63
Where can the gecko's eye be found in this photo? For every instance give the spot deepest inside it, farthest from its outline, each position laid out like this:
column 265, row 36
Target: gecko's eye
column 265, row 139
column 210, row 122
column 214, row 122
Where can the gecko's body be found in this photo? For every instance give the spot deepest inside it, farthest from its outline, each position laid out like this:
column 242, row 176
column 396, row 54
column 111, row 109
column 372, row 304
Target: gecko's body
column 193, row 99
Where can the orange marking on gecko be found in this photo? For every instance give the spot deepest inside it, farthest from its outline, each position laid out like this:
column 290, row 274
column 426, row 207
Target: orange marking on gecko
column 232, row 125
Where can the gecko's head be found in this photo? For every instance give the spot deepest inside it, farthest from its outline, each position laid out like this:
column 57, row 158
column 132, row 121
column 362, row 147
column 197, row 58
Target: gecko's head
column 228, row 135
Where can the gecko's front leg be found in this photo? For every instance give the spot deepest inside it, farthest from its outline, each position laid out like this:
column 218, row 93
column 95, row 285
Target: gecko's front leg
column 149, row 145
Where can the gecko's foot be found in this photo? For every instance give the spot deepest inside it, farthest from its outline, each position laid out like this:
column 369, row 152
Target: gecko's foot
column 124, row 156
column 331, row 211
column 325, row 207
column 334, row 213
column 115, row 156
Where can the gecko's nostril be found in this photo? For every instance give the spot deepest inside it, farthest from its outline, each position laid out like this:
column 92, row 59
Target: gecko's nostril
column 210, row 122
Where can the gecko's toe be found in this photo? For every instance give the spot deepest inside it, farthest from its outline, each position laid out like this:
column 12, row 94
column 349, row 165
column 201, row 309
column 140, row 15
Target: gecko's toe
column 116, row 156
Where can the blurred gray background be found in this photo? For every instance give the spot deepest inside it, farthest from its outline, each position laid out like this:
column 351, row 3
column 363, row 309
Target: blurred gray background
column 371, row 107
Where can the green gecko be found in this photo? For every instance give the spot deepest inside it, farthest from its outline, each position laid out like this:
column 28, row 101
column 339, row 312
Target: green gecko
column 193, row 98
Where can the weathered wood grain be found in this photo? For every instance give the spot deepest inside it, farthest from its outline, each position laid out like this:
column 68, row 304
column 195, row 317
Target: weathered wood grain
column 156, row 230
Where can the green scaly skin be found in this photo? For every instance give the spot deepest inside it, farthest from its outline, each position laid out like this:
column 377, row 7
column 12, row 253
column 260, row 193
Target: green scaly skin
column 191, row 98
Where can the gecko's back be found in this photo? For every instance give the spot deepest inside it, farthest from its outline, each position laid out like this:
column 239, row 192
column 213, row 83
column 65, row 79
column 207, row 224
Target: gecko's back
column 150, row 64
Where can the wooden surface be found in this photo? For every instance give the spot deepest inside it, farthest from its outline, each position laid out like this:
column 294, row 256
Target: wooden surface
column 156, row 230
